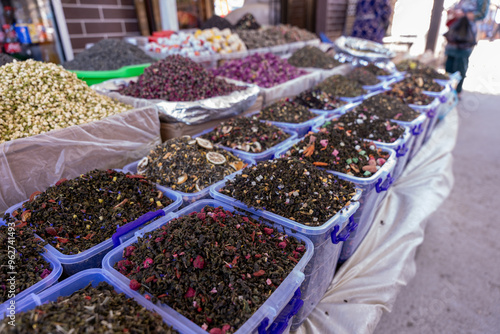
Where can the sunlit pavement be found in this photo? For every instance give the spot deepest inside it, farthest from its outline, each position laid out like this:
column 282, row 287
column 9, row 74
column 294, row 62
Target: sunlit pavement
column 457, row 285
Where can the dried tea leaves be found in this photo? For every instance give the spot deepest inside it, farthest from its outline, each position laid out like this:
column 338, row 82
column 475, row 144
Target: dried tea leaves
column 376, row 70
column 189, row 165
column 89, row 310
column 214, row 267
column 75, row 215
column 387, row 107
column 5, row 59
column 409, row 92
column 363, row 77
column 340, row 86
column 292, row 188
column 311, row 56
column 413, row 66
column 286, row 111
column 247, row 22
column 247, row 134
column 341, row 152
column 317, row 99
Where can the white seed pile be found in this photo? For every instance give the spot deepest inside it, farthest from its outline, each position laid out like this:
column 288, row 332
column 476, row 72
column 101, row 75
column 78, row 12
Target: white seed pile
column 37, row 97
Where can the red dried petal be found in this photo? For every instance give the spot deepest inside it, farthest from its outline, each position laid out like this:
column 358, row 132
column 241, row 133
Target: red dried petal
column 190, row 293
column 268, row 230
column 135, row 285
column 259, row 273
column 199, row 262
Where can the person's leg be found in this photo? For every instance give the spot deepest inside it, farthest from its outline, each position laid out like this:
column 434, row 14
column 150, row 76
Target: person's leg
column 462, row 64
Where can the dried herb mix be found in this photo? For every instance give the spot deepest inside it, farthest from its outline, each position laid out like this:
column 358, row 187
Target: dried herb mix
column 274, row 35
column 216, row 22
column 28, row 262
column 317, row 99
column 339, row 85
column 425, row 83
column 5, row 59
column 376, row 70
column 247, row 134
column 292, row 188
column 311, row 56
column 340, row 151
column 363, row 77
column 108, row 55
column 265, row 70
column 368, row 126
column 408, row 92
column 387, row 107
column 177, row 78
column 286, row 111
column 416, row 67
column 215, row 267
column 77, row 214
column 89, row 310
column 37, row 97
column 183, row 164
column 247, row 21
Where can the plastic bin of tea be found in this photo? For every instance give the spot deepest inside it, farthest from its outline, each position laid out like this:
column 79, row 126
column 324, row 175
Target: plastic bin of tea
column 374, row 189
column 283, row 321
column 430, row 111
column 326, row 239
column 334, row 112
column 279, row 50
column 79, row 281
column 265, row 155
column 300, row 128
column 187, row 198
column 443, row 97
column 267, row 313
column 48, row 281
column 92, row 257
column 292, row 47
column 95, row 77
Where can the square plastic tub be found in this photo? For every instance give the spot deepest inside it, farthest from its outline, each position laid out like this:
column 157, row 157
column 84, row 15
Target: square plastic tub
column 283, row 321
column 326, row 239
column 265, row 155
column 300, row 128
column 80, row 281
column 430, row 111
column 92, row 257
column 334, row 112
column 374, row 190
column 187, row 198
column 55, row 265
column 443, row 97
column 267, row 313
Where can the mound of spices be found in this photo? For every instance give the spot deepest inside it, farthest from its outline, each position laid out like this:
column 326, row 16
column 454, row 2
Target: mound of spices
column 247, row 22
column 5, row 59
column 214, row 267
column 247, row 134
column 37, row 97
column 318, row 99
column 387, row 107
column 188, row 165
column 216, row 22
column 311, row 56
column 262, row 38
column 339, row 151
column 339, row 85
column 27, row 260
column 286, row 111
column 108, row 55
column 265, row 70
column 177, row 78
column 363, row 77
column 408, row 92
column 292, row 188
column 428, row 72
column 75, row 215
column 372, row 68
column 293, row 33
column 89, row 310
column 368, row 126
column 422, row 82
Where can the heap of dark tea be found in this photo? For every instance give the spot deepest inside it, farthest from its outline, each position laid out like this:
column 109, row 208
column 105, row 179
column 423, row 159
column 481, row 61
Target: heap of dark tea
column 318, row 99
column 89, row 310
column 311, row 56
column 339, row 85
column 376, row 70
column 341, row 152
column 368, row 126
column 387, row 107
column 422, row 82
column 248, row 22
column 293, row 189
column 413, row 66
column 188, row 165
column 409, row 93
column 363, row 77
column 286, row 111
column 75, row 215
column 214, row 267
column 247, row 134
column 20, row 252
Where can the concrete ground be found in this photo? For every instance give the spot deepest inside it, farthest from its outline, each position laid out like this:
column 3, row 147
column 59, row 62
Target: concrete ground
column 457, row 285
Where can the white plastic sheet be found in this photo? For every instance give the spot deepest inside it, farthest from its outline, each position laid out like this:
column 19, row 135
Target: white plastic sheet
column 368, row 283
column 34, row 163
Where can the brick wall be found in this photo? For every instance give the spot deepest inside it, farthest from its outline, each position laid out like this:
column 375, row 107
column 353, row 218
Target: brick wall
column 89, row 21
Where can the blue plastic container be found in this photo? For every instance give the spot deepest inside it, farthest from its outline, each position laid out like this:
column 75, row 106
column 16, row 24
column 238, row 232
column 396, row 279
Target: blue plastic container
column 92, row 257
column 265, row 155
column 334, row 112
column 55, row 265
column 443, row 97
column 80, row 281
column 187, row 198
column 373, row 192
column 283, row 321
column 266, row 314
column 327, row 246
column 300, row 128
column 430, row 111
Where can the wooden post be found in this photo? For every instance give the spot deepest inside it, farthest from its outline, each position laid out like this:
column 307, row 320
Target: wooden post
column 433, row 32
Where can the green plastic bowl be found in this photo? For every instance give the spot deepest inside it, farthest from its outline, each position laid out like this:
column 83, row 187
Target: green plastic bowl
column 95, row 77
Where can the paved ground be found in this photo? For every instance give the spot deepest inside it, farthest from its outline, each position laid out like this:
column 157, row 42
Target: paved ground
column 457, row 285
